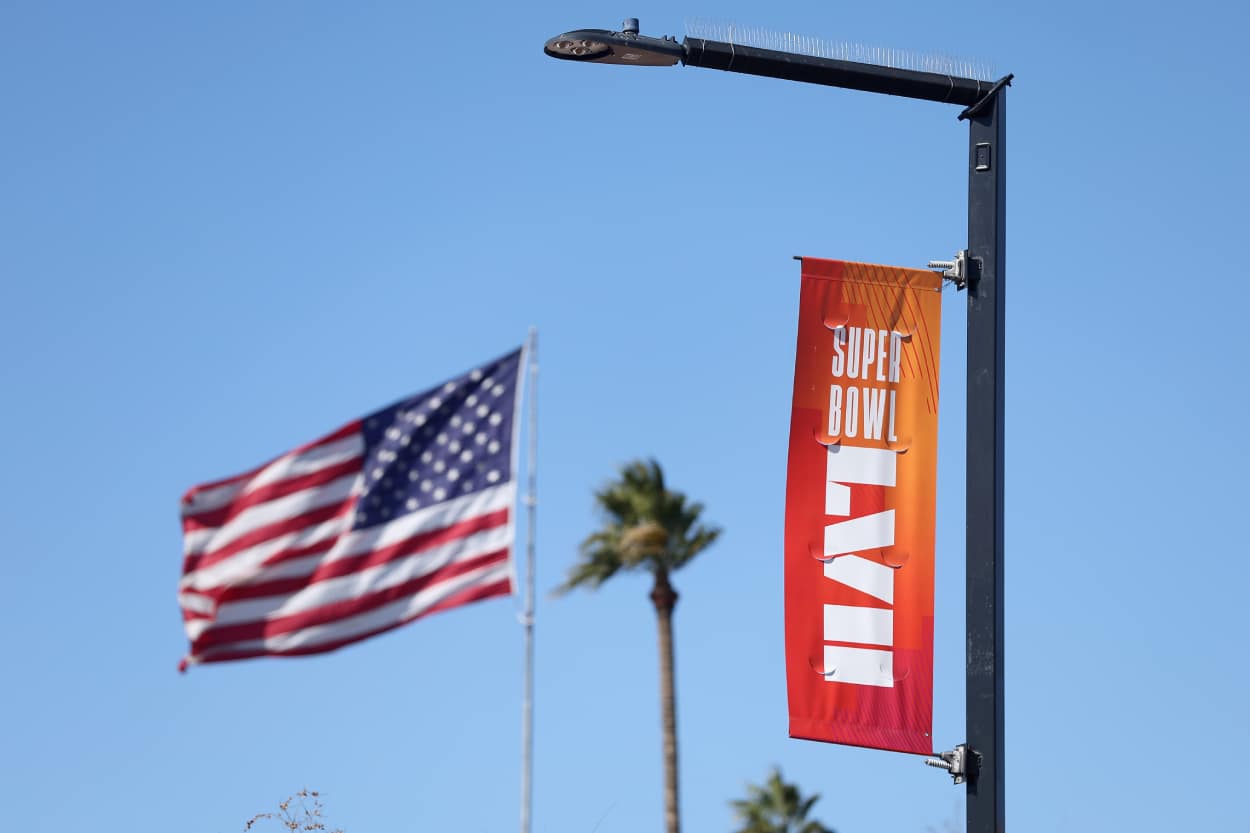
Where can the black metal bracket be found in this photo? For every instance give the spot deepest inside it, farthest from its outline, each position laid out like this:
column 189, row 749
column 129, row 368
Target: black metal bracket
column 972, row 272
column 975, row 109
column 961, row 762
column 955, row 271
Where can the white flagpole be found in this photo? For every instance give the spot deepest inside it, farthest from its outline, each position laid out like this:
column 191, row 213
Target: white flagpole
column 527, row 616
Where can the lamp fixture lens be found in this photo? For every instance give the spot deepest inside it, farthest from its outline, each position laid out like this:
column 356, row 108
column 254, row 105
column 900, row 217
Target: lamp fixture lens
column 585, row 49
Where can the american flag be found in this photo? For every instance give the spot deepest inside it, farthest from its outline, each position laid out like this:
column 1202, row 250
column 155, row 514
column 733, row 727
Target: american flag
column 397, row 515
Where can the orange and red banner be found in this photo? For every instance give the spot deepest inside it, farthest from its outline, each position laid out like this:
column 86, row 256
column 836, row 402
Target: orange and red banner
column 860, row 506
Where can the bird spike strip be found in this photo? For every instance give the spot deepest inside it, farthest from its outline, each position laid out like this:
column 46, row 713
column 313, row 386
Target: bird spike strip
column 839, row 50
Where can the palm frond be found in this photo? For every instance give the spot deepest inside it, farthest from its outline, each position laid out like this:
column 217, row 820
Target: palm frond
column 776, row 807
column 645, row 525
column 600, row 560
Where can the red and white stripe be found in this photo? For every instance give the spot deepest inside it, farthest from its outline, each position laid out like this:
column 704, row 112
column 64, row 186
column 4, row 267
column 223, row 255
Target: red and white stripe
column 273, row 567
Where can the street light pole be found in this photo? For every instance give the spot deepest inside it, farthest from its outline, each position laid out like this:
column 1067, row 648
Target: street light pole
column 981, row 271
column 987, row 183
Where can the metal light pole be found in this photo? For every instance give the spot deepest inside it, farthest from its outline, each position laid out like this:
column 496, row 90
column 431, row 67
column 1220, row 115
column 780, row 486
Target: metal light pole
column 987, row 184
column 979, row 270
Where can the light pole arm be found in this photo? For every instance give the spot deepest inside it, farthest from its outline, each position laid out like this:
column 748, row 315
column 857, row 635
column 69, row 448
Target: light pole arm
column 807, row 69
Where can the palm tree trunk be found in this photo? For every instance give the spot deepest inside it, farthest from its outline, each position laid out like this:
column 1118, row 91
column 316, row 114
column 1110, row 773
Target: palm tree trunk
column 664, row 597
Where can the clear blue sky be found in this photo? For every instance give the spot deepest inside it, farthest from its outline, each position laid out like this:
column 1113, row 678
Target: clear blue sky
column 228, row 227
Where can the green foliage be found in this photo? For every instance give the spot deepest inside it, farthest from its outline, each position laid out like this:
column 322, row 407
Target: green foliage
column 646, row 525
column 776, row 807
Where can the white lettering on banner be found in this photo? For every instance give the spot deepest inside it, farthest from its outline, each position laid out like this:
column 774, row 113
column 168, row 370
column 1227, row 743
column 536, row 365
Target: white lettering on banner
column 849, row 464
column 846, row 466
column 882, row 355
column 870, row 352
column 869, row 532
column 871, row 577
column 874, row 412
column 850, row 420
column 835, row 411
column 896, row 355
column 860, row 666
column 860, row 353
column 854, row 337
column 865, row 625
column 857, row 349
column 839, row 358
column 844, row 412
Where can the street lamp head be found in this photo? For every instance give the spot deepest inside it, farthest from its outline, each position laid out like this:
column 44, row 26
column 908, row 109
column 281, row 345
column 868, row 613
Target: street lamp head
column 578, row 46
column 601, row 46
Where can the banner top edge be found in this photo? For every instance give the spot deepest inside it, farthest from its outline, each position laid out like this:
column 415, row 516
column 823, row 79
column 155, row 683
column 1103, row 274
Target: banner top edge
column 903, row 276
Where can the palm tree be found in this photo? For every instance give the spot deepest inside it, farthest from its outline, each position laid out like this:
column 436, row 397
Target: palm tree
column 647, row 527
column 777, row 807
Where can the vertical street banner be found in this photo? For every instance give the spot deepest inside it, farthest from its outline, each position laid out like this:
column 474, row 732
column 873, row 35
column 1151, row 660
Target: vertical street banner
column 860, row 506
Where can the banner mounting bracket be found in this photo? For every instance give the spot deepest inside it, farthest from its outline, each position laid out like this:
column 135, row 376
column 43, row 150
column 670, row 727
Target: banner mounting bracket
column 955, row 271
column 958, row 762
